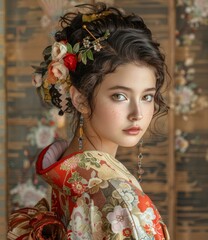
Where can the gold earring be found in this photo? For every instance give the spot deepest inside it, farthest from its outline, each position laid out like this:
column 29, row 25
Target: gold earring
column 140, row 157
column 80, row 139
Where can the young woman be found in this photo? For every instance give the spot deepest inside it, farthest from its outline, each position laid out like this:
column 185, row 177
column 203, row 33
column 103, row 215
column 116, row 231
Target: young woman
column 105, row 69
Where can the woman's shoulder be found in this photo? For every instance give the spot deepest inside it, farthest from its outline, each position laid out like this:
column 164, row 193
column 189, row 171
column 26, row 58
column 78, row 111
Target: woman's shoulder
column 79, row 167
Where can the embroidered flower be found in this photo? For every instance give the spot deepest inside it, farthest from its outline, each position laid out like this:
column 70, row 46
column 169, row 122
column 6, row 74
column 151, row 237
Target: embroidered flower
column 127, row 232
column 125, row 192
column 94, row 185
column 147, row 216
column 119, row 219
column 86, row 220
column 141, row 231
column 94, row 182
column 80, row 223
column 69, row 164
column 78, row 187
column 59, row 50
column 96, row 222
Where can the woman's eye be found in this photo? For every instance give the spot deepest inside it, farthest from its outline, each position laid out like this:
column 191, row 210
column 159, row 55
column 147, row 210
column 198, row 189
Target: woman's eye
column 148, row 98
column 119, row 97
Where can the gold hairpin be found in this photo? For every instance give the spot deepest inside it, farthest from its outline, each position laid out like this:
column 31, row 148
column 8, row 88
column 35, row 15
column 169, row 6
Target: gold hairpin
column 94, row 16
column 85, row 27
column 96, row 43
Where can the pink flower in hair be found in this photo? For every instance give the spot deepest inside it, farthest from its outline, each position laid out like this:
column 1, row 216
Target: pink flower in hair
column 59, row 70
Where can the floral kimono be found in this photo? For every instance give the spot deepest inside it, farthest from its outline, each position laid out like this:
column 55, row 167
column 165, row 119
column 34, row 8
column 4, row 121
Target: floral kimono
column 94, row 197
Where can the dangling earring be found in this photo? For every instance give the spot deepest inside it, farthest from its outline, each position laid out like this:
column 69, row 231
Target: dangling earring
column 140, row 157
column 80, row 139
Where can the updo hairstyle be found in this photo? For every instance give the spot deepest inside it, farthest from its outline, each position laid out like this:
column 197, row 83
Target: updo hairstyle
column 130, row 41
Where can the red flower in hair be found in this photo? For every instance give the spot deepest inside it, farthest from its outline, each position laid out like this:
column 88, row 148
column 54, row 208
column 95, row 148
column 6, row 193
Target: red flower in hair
column 70, row 61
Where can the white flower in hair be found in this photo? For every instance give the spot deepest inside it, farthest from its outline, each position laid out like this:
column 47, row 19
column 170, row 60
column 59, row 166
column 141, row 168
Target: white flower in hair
column 58, row 51
column 97, row 46
column 86, row 42
column 59, row 70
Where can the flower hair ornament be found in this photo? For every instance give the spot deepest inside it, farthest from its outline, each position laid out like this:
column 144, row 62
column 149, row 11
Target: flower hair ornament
column 52, row 77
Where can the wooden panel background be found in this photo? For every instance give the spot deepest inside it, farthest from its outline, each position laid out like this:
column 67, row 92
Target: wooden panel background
column 187, row 187
column 29, row 30
column 192, row 162
column 25, row 39
column 3, row 166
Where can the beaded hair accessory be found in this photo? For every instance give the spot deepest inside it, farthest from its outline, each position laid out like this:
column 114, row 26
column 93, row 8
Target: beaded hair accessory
column 52, row 77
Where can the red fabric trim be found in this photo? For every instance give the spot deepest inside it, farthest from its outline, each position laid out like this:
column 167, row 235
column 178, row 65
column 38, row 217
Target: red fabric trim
column 22, row 237
column 39, row 164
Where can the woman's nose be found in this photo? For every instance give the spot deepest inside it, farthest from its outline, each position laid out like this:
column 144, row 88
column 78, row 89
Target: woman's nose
column 136, row 113
column 134, row 117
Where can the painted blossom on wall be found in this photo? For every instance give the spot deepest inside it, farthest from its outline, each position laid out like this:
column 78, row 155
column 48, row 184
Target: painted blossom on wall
column 43, row 133
column 30, row 189
column 181, row 142
column 54, row 9
column 195, row 11
column 189, row 98
column 27, row 194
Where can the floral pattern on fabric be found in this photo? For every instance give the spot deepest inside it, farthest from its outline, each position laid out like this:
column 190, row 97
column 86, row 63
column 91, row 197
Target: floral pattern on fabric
column 102, row 199
column 97, row 198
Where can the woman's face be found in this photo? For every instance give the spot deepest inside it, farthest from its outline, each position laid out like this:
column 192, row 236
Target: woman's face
column 124, row 107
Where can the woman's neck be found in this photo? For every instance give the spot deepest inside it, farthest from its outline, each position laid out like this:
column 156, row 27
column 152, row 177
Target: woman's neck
column 90, row 143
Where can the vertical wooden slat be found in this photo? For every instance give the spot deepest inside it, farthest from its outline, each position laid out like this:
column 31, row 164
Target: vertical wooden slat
column 3, row 167
column 171, row 125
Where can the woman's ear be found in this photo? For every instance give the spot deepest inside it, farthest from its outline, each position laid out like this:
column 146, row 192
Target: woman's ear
column 78, row 100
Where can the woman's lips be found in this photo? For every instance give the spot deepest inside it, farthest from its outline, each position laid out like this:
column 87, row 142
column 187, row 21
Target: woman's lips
column 133, row 130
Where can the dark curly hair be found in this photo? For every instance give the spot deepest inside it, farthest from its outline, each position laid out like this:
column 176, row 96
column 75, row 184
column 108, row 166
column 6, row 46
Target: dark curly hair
column 130, row 41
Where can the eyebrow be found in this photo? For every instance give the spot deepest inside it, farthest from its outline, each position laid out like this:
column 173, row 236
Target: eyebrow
column 129, row 89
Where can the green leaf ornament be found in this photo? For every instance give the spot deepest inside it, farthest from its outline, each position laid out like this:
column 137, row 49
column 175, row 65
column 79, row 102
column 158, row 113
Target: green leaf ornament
column 76, row 48
column 69, row 48
column 84, row 58
column 90, row 54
